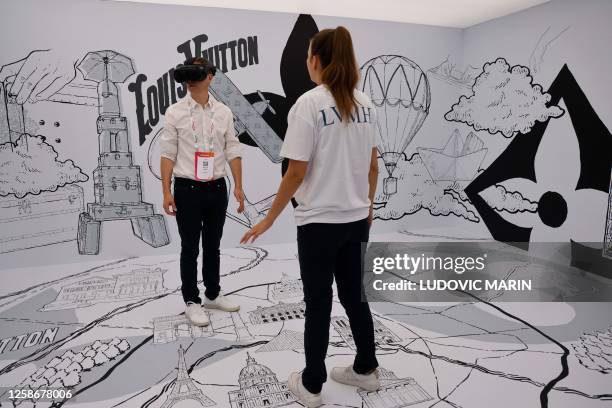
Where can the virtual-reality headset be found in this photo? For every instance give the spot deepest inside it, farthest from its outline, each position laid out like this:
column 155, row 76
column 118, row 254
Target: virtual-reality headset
column 191, row 72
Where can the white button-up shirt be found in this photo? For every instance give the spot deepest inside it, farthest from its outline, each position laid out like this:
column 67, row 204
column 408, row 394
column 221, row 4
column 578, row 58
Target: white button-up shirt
column 178, row 140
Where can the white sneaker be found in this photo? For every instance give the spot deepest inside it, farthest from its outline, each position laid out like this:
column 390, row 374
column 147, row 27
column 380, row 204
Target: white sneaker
column 303, row 395
column 348, row 376
column 221, row 303
column 196, row 315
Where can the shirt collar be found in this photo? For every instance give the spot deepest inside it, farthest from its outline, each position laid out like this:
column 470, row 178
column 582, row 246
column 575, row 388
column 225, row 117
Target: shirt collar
column 210, row 104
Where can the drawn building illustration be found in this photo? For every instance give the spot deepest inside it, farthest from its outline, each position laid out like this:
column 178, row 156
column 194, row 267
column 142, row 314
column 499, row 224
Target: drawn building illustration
column 167, row 329
column 87, row 292
column 259, row 387
column 281, row 311
column 184, row 388
column 242, row 332
column 287, row 287
column 286, row 340
column 83, row 293
column 67, row 370
column 117, row 181
column 139, row 282
column 394, row 392
column 382, row 334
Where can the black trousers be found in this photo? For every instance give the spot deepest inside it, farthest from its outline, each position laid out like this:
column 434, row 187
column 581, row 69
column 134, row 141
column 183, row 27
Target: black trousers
column 326, row 251
column 200, row 210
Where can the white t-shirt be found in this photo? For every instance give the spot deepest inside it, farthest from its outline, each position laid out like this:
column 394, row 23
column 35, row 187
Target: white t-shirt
column 335, row 188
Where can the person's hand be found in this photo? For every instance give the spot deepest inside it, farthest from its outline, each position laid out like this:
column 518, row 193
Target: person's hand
column 39, row 75
column 239, row 195
column 256, row 231
column 371, row 216
column 169, row 205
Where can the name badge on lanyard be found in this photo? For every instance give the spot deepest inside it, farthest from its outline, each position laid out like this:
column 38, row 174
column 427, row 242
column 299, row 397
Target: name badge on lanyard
column 204, row 165
column 204, row 160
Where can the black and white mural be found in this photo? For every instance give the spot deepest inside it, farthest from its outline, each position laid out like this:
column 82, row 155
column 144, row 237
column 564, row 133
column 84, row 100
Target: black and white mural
column 498, row 132
column 90, row 330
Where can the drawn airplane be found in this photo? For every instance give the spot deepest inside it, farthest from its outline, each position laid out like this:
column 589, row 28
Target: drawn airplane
column 247, row 117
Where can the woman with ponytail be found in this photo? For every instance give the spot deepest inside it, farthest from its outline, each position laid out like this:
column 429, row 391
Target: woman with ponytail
column 333, row 169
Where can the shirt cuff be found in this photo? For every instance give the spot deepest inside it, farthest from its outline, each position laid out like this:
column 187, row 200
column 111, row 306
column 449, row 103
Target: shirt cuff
column 295, row 156
column 231, row 155
column 169, row 156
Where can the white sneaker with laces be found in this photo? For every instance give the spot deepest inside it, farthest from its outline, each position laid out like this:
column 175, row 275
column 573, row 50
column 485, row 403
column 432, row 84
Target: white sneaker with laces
column 196, row 315
column 348, row 376
column 221, row 303
column 303, row 395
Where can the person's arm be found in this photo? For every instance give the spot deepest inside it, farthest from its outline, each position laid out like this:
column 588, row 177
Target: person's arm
column 298, row 147
column 373, row 173
column 233, row 153
column 169, row 149
column 289, row 184
column 167, row 166
column 373, row 181
column 236, row 168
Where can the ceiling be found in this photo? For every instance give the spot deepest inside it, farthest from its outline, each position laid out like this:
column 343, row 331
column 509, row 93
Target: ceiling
column 448, row 13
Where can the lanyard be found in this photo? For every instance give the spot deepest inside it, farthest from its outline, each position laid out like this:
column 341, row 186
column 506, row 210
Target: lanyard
column 209, row 139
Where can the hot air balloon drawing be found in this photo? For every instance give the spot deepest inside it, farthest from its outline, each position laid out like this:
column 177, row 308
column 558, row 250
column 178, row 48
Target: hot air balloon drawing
column 399, row 90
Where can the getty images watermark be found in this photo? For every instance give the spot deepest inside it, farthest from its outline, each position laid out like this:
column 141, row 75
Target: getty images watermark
column 459, row 265
column 473, row 271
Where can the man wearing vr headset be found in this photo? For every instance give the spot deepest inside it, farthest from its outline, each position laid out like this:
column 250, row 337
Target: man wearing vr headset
column 197, row 140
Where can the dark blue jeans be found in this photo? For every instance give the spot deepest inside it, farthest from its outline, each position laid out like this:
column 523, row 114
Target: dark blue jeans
column 326, row 251
column 200, row 211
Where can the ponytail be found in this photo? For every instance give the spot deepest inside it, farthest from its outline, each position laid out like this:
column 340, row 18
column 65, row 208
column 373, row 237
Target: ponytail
column 334, row 48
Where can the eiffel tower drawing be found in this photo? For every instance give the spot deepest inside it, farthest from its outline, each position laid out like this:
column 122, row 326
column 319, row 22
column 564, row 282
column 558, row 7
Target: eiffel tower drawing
column 184, row 388
column 242, row 332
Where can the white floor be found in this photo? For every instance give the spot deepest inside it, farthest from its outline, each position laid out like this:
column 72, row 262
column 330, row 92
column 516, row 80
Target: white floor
column 97, row 331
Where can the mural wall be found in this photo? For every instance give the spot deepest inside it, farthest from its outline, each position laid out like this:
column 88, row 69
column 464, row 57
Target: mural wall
column 543, row 98
column 499, row 131
column 485, row 132
column 81, row 116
